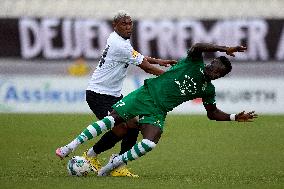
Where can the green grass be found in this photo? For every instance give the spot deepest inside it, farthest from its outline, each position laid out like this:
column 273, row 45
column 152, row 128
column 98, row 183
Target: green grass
column 192, row 153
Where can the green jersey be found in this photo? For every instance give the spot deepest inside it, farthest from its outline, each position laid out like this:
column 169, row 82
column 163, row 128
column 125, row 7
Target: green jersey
column 184, row 81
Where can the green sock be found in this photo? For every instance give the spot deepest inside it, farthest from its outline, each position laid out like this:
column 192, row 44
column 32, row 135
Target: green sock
column 138, row 150
column 96, row 129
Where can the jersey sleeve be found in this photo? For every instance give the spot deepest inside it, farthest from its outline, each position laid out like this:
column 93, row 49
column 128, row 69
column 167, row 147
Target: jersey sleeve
column 133, row 56
column 209, row 95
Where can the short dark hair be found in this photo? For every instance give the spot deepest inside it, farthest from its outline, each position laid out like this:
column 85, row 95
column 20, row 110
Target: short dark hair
column 226, row 62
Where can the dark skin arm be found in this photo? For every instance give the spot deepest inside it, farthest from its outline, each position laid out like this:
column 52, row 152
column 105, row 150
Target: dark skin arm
column 161, row 62
column 149, row 68
column 213, row 113
column 198, row 48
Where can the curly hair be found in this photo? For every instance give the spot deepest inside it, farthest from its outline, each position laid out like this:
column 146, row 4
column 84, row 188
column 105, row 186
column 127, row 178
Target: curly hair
column 119, row 15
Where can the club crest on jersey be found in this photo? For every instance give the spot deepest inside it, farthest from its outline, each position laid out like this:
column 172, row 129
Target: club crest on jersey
column 135, row 54
column 187, row 85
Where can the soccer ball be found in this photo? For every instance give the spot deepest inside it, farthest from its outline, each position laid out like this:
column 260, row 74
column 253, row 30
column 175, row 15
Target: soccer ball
column 78, row 166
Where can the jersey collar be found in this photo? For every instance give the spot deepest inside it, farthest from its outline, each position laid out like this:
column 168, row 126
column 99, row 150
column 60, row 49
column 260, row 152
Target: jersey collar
column 120, row 36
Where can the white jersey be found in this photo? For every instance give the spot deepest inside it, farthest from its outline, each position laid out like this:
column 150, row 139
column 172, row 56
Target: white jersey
column 111, row 70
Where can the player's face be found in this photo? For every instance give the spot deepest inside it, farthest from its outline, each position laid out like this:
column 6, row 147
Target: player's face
column 124, row 27
column 215, row 70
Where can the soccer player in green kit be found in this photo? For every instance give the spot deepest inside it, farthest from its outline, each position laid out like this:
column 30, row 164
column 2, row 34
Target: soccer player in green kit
column 190, row 78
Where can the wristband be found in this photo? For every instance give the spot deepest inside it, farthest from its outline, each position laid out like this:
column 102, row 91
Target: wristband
column 232, row 117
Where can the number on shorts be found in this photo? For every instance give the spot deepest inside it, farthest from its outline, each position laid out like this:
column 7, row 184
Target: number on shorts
column 120, row 103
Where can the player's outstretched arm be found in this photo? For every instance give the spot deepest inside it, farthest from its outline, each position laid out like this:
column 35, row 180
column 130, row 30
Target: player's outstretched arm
column 231, row 50
column 198, row 48
column 213, row 113
column 161, row 62
column 149, row 68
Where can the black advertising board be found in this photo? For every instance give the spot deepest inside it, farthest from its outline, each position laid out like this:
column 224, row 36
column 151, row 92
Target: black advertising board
column 66, row 38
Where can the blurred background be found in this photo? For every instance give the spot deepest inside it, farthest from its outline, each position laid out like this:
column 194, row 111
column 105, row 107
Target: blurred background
column 49, row 49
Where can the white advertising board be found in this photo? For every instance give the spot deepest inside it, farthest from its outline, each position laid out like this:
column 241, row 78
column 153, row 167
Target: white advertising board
column 46, row 94
column 237, row 94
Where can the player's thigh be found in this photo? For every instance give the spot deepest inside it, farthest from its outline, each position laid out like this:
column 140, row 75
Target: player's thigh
column 140, row 103
column 128, row 107
column 156, row 118
column 132, row 123
column 100, row 104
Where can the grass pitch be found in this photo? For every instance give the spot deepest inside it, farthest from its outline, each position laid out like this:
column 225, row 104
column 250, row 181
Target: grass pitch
column 192, row 153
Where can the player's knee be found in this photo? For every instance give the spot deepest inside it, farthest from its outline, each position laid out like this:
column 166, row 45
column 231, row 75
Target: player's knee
column 120, row 130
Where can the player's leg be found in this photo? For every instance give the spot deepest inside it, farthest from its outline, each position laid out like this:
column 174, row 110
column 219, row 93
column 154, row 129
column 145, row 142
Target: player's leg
column 101, row 104
column 110, row 138
column 151, row 128
column 107, row 141
column 152, row 120
column 129, row 140
column 151, row 135
column 90, row 132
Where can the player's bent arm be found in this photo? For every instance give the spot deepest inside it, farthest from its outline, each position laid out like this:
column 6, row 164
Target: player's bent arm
column 149, row 68
column 213, row 113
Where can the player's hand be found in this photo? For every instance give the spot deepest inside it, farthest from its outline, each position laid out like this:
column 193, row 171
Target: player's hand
column 246, row 117
column 231, row 50
column 167, row 63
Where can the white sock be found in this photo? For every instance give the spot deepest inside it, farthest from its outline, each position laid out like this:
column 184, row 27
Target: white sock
column 91, row 153
column 74, row 144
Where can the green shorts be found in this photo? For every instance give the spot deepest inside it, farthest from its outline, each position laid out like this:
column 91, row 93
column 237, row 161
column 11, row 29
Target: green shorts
column 140, row 103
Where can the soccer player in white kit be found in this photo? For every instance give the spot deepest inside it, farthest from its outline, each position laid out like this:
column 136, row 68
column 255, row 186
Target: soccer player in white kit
column 104, row 88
